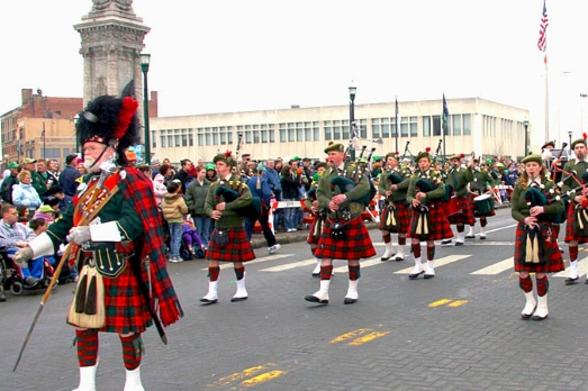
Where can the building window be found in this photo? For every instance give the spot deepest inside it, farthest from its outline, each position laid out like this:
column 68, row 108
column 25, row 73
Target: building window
column 376, row 128
column 467, row 130
column 436, row 125
column 315, row 131
column 345, row 129
column 413, row 126
column 385, row 127
column 404, row 127
column 153, row 140
column 52, row 153
column 393, row 127
column 272, row 136
column 456, row 122
column 282, row 133
column 336, row 130
column 328, row 128
column 162, row 140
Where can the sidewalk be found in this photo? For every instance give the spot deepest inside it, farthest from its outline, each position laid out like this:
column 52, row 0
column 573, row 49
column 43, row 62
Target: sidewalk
column 258, row 241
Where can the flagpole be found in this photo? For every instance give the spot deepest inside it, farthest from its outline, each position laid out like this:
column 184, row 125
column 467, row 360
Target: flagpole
column 546, row 99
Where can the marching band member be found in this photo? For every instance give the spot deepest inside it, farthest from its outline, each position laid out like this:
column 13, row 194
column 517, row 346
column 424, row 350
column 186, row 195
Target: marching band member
column 395, row 215
column 534, row 205
column 116, row 236
column 429, row 221
column 318, row 219
column 228, row 201
column 574, row 233
column 344, row 234
column 458, row 177
column 479, row 186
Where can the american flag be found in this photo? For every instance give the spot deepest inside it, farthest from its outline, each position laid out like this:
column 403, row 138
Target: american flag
column 541, row 43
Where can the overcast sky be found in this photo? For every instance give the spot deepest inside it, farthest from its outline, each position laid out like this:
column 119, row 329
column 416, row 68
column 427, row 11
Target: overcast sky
column 221, row 55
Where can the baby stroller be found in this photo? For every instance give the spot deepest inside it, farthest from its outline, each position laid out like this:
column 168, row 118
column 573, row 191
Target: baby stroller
column 191, row 244
column 11, row 276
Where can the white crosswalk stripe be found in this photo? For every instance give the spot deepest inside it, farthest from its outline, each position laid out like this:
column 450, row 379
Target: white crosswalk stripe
column 289, row 266
column 438, row 262
column 582, row 269
column 274, row 257
column 364, row 264
column 496, row 268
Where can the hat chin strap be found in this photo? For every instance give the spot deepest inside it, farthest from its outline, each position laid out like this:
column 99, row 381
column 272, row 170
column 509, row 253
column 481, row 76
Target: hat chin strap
column 99, row 157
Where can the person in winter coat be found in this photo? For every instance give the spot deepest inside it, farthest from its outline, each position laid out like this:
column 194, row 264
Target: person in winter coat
column 290, row 186
column 8, row 182
column 260, row 187
column 160, row 182
column 24, row 195
column 195, row 198
column 174, row 209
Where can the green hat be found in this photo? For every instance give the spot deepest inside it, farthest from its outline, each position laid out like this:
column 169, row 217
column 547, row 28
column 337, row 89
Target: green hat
column 296, row 158
column 376, row 158
column 532, row 158
column 580, row 140
column 456, row 156
column 12, row 165
column 425, row 154
column 391, row 154
column 210, row 166
column 335, row 147
column 548, row 144
column 225, row 157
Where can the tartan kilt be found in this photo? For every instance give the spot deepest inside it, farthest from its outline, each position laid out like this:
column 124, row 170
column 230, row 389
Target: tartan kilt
column 311, row 239
column 124, row 306
column 439, row 227
column 357, row 243
column 238, row 248
column 570, row 232
column 552, row 261
column 402, row 214
column 466, row 217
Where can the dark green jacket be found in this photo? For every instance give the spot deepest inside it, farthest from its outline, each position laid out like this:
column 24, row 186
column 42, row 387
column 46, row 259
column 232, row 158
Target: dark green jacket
column 325, row 191
column 482, row 181
column 569, row 186
column 40, row 183
column 196, row 197
column 520, row 210
column 458, row 179
column 400, row 194
column 433, row 176
column 230, row 218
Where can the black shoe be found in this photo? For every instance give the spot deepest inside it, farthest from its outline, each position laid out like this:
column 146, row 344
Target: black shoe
column 234, row 299
column 446, row 242
column 571, row 281
column 428, row 276
column 482, row 237
column 457, row 244
column 349, row 301
column 539, row 318
column 470, row 236
column 314, row 299
column 387, row 258
column 208, row 302
column 2, row 297
column 31, row 281
column 415, row 276
column 316, row 275
column 398, row 258
column 586, row 282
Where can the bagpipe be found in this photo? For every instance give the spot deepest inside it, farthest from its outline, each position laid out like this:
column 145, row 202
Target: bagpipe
column 344, row 184
column 230, row 191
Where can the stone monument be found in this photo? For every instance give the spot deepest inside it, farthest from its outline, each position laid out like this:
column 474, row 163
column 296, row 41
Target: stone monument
column 112, row 41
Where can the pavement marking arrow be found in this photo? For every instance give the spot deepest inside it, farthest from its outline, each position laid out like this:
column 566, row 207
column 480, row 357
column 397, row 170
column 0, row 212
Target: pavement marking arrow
column 496, row 268
column 438, row 262
column 258, row 260
column 263, row 378
column 288, row 266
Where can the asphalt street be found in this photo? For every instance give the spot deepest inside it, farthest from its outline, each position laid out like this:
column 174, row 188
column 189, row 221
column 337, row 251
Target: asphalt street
column 459, row 331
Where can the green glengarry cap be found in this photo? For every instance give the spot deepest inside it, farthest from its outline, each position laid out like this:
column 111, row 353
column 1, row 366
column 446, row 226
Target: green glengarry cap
column 335, row 147
column 225, row 157
column 422, row 155
column 532, row 158
column 580, row 140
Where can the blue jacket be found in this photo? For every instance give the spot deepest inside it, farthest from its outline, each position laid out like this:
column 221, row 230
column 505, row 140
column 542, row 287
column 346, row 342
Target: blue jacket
column 274, row 181
column 25, row 196
column 265, row 193
column 67, row 180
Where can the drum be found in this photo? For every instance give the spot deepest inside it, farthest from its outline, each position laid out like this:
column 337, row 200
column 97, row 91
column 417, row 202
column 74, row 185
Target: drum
column 483, row 205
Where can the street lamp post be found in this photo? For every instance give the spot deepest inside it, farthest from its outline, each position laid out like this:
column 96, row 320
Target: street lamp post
column 75, row 122
column 44, row 143
column 526, row 125
column 352, row 91
column 570, row 139
column 145, row 58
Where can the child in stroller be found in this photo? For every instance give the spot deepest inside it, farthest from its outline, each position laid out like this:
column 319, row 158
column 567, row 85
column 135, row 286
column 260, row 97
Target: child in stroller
column 191, row 245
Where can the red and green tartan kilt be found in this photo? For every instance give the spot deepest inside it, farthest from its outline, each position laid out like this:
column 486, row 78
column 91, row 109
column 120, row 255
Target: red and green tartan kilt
column 238, row 248
column 403, row 215
column 570, row 232
column 124, row 306
column 311, row 239
column 439, row 227
column 356, row 245
column 466, row 217
column 552, row 261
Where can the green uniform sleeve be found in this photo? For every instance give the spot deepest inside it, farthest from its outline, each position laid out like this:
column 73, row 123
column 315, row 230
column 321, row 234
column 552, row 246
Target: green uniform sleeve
column 129, row 222
column 60, row 228
column 210, row 202
column 360, row 190
column 323, row 192
column 516, row 206
column 436, row 194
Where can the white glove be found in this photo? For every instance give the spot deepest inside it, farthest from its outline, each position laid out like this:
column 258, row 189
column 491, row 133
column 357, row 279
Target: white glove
column 23, row 255
column 79, row 235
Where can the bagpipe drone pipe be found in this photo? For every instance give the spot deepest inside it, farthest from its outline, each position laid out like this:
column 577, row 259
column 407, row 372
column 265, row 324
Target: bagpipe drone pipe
column 231, row 191
column 422, row 224
column 344, row 184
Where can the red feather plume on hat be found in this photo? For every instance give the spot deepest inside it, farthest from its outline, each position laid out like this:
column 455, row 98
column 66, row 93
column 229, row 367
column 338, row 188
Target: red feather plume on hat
column 461, row 155
column 228, row 153
column 584, row 136
column 428, row 149
column 125, row 116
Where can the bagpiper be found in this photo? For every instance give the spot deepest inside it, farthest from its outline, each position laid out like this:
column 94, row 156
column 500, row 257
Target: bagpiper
column 311, row 205
column 481, row 188
column 535, row 204
column 574, row 189
column 429, row 221
column 116, row 239
column 344, row 234
column 396, row 213
column 228, row 202
column 461, row 206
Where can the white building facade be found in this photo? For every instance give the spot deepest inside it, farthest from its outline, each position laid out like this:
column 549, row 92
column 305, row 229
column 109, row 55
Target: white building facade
column 475, row 125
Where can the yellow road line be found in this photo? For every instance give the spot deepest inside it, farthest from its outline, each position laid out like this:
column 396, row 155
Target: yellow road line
column 237, row 376
column 457, row 303
column 349, row 335
column 264, row 377
column 368, row 338
column 439, row 303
